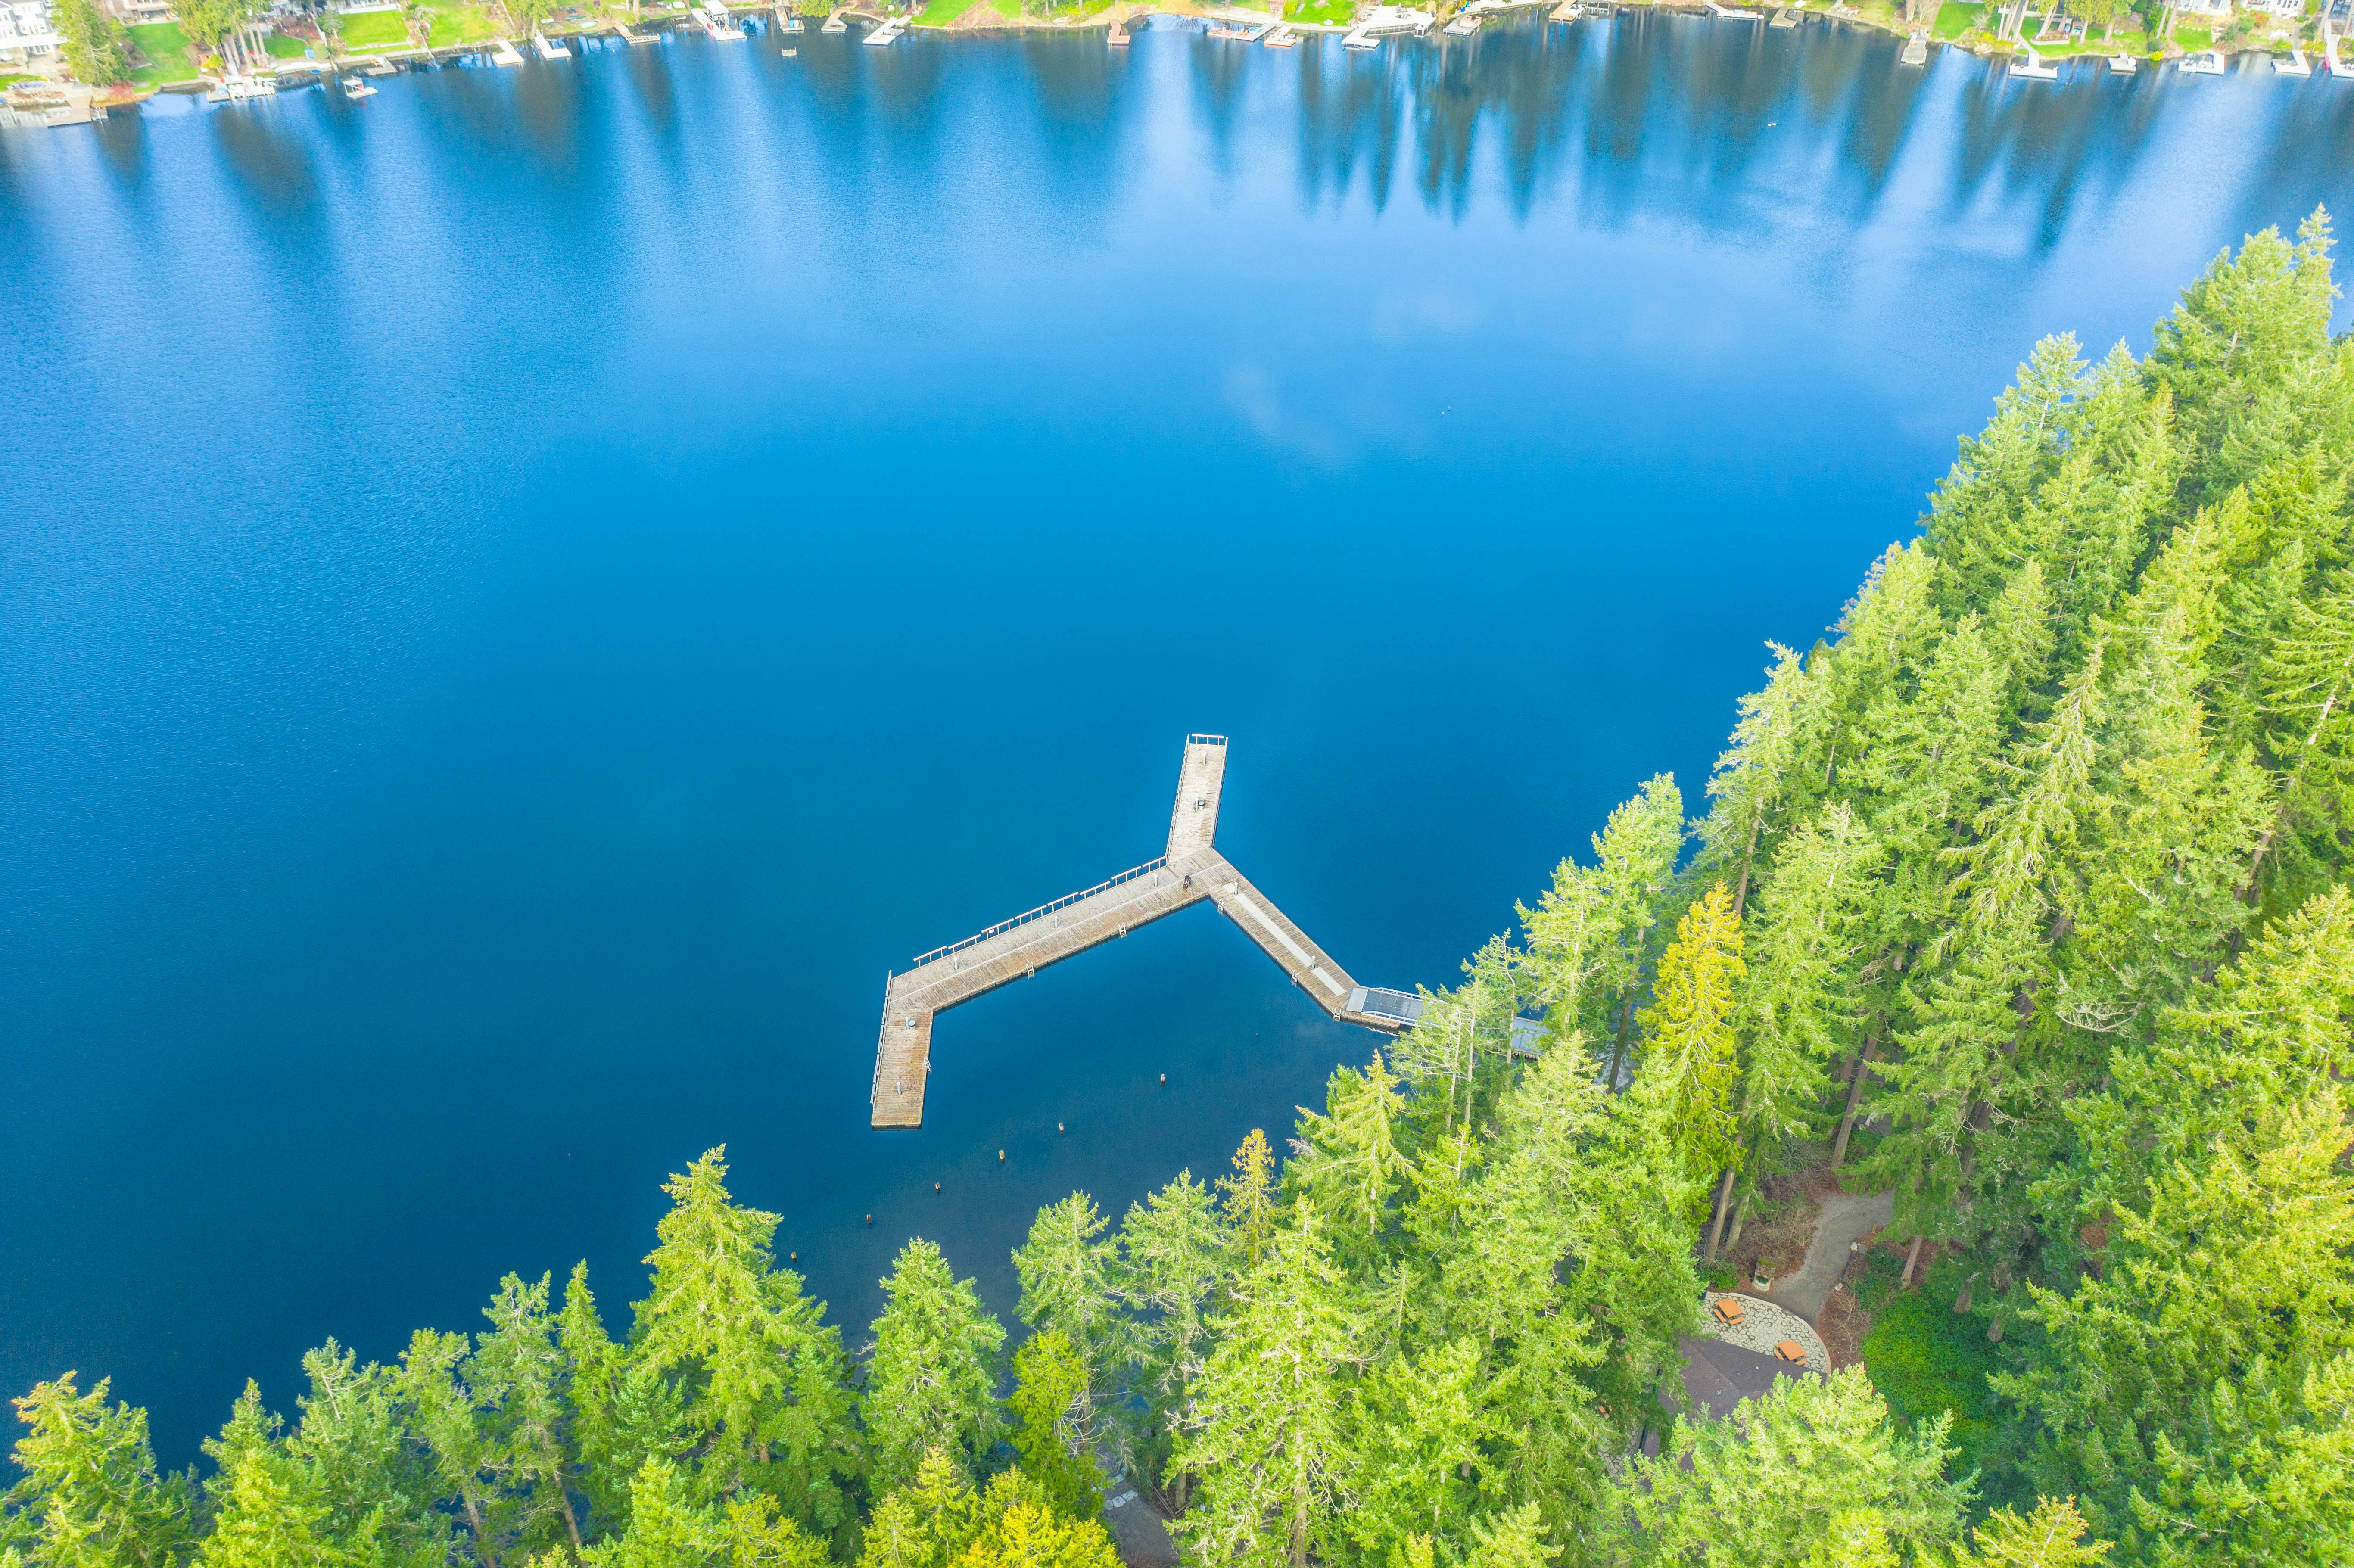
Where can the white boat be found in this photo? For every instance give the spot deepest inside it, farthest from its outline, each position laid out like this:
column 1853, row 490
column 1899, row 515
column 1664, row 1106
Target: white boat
column 548, row 52
column 2295, row 64
column 887, row 33
column 506, row 54
column 2206, row 62
column 356, row 87
column 2032, row 68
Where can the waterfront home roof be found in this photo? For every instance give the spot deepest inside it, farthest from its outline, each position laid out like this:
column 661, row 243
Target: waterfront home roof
column 1718, row 1376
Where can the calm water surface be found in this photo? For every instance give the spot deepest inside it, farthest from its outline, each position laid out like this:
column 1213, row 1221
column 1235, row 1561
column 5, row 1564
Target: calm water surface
column 524, row 596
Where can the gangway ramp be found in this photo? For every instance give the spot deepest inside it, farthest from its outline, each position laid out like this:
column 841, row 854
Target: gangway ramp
column 1189, row 871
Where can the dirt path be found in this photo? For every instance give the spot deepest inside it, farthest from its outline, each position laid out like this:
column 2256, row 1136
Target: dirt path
column 1844, row 1219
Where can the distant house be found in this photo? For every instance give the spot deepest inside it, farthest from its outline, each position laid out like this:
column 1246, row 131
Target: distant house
column 26, row 32
column 132, row 12
column 2214, row 10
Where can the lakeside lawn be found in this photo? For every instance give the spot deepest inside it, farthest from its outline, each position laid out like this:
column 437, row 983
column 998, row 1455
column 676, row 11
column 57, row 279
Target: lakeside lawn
column 375, row 30
column 167, row 47
column 1335, row 11
column 1954, row 18
column 459, row 24
column 283, row 48
column 2193, row 39
column 940, row 12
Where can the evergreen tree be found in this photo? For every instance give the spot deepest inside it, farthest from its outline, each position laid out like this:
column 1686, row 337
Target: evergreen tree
column 2252, row 324
column 1352, row 1165
column 1754, row 781
column 925, row 1523
column 1809, row 1461
column 1054, row 1424
column 93, row 41
column 1684, row 1087
column 2053, row 1536
column 622, row 1412
column 361, row 1464
column 1248, row 1195
column 1018, row 1528
column 1802, row 1004
column 1265, row 1433
column 1427, row 1439
column 2191, row 1389
column 89, row 1496
column 1589, row 937
column 1175, row 1251
column 444, row 1416
column 932, row 1382
column 265, row 1514
column 670, row 1528
column 1067, row 1287
column 765, row 1381
column 518, row 1371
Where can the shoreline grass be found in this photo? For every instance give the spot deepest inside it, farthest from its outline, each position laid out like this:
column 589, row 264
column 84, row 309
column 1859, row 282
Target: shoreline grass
column 375, row 30
column 167, row 48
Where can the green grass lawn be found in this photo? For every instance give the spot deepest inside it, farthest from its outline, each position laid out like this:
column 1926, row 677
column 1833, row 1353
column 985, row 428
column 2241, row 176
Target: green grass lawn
column 1335, row 11
column 2193, row 39
column 283, row 48
column 1954, row 19
column 459, row 24
column 9, row 79
column 167, row 46
column 940, row 12
column 375, row 30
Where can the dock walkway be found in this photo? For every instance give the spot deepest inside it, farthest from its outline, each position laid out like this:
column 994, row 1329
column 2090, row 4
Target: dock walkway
column 1191, row 871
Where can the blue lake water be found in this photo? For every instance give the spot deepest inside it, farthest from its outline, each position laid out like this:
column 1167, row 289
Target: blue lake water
column 523, row 597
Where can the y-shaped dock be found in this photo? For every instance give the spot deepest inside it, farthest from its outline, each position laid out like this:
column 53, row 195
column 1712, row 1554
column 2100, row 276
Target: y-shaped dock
column 1191, row 870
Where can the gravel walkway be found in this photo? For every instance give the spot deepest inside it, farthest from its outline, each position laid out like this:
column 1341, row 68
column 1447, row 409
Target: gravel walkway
column 1843, row 1221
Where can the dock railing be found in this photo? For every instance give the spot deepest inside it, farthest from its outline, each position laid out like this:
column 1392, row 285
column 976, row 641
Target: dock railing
column 1205, row 740
column 1062, row 903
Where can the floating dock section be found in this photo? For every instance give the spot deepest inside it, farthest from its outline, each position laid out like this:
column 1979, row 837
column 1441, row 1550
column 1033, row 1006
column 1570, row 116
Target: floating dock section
column 1191, row 871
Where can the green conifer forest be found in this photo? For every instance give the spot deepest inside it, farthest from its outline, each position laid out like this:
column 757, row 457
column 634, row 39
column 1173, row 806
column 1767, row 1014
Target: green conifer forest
column 2021, row 896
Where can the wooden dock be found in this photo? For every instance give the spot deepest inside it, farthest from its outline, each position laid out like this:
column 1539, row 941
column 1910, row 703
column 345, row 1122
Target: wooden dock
column 1191, row 871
